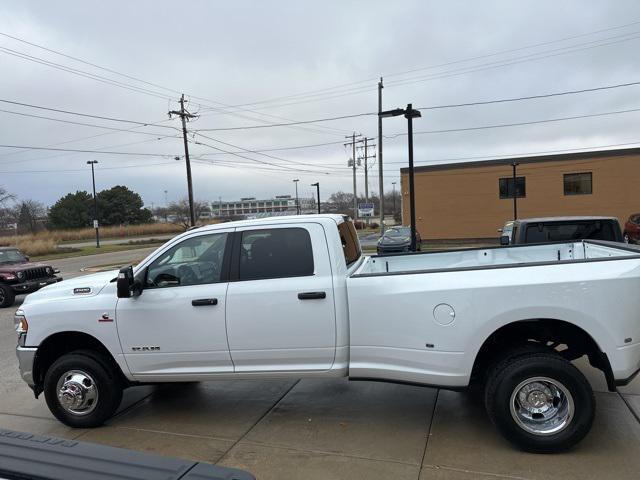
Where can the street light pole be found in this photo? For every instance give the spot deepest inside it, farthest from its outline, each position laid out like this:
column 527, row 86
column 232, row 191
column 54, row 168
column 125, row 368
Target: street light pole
column 409, row 113
column 515, row 192
column 295, row 181
column 96, row 225
column 394, row 200
column 317, row 185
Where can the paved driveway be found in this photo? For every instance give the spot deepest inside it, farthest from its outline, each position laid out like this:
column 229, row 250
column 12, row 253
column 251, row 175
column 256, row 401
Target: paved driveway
column 330, row 429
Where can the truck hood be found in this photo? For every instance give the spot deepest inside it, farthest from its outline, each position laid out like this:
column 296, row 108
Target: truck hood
column 18, row 267
column 85, row 286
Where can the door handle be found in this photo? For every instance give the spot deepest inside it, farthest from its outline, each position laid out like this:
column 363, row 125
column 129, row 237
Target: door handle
column 311, row 295
column 201, row 302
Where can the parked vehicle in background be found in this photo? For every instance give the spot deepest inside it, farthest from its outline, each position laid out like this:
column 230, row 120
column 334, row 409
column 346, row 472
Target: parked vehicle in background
column 398, row 239
column 293, row 297
column 632, row 229
column 18, row 275
column 560, row 229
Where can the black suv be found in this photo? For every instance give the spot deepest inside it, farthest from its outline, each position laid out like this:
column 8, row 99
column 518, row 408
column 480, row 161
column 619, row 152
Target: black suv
column 559, row 229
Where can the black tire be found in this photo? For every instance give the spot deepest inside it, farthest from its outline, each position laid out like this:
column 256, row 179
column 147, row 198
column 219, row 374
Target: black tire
column 506, row 378
column 104, row 378
column 7, row 296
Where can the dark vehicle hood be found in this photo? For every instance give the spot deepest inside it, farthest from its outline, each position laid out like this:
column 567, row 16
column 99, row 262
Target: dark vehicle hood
column 394, row 240
column 18, row 267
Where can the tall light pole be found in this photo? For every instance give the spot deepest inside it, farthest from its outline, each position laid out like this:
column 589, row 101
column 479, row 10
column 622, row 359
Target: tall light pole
column 95, row 203
column 394, row 199
column 295, row 181
column 409, row 113
column 515, row 192
column 317, row 185
column 380, row 172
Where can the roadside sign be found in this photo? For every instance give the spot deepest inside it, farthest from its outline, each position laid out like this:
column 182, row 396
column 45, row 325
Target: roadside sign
column 95, row 224
column 365, row 210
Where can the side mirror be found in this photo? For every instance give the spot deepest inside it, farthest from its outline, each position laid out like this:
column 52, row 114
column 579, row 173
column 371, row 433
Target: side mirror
column 504, row 240
column 125, row 282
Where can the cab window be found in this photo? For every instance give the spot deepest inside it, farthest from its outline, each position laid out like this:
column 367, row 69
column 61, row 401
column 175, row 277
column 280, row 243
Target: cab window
column 275, row 253
column 195, row 261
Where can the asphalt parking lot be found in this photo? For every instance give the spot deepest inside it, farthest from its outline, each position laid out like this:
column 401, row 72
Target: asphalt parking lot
column 328, row 429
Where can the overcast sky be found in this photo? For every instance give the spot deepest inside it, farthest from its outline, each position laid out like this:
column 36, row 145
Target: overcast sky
column 245, row 63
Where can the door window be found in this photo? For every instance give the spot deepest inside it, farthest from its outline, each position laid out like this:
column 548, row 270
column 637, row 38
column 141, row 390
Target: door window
column 195, row 261
column 275, row 253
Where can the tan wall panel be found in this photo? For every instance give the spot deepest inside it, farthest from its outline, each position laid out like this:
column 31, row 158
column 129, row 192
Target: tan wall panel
column 465, row 203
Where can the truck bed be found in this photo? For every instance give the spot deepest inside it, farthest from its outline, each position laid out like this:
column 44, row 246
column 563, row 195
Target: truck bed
column 494, row 257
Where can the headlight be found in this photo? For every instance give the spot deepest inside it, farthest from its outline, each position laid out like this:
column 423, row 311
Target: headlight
column 20, row 276
column 20, row 322
column 49, row 271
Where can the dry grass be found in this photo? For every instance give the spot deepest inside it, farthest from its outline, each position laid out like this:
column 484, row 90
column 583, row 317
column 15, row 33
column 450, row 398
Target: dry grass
column 60, row 236
column 33, row 248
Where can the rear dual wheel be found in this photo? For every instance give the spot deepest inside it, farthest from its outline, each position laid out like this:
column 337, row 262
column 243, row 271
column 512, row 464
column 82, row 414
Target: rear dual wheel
column 540, row 402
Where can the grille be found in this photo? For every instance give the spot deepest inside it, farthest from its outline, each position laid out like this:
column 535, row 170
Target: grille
column 35, row 273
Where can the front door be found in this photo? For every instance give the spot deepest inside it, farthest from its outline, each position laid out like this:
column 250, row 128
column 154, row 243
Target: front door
column 177, row 325
column 280, row 307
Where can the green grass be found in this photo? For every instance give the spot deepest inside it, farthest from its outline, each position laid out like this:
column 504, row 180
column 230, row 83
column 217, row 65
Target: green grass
column 93, row 250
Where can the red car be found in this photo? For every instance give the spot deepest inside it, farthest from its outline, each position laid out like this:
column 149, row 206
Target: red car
column 632, row 229
column 18, row 275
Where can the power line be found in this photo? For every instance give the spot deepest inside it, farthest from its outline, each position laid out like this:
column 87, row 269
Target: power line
column 83, row 73
column 112, row 119
column 42, row 117
column 530, row 97
column 284, row 167
column 516, row 124
column 84, row 170
column 252, row 151
column 301, row 122
column 430, row 67
column 90, row 151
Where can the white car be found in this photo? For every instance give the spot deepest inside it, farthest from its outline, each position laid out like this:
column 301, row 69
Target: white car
column 293, row 297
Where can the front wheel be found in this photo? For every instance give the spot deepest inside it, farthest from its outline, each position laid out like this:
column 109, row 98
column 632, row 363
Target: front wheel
column 7, row 297
column 540, row 402
column 82, row 390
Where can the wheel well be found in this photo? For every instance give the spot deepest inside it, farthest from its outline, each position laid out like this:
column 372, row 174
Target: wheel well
column 56, row 345
column 565, row 338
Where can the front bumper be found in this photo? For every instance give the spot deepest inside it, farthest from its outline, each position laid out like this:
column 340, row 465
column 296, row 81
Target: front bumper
column 394, row 248
column 33, row 285
column 26, row 357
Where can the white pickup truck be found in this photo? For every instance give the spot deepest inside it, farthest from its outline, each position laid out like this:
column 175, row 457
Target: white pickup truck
column 294, row 297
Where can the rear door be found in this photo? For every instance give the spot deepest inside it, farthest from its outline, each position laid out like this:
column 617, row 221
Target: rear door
column 280, row 303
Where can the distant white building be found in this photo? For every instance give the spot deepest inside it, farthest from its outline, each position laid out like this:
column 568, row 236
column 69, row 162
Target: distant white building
column 250, row 206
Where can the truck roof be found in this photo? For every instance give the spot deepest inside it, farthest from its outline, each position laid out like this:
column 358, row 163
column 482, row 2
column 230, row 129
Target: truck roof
column 274, row 220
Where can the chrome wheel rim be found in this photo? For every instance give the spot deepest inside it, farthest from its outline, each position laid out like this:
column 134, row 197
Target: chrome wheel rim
column 542, row 406
column 77, row 392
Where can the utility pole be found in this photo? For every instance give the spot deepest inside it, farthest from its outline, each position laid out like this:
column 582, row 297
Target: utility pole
column 317, row 185
column 295, row 181
column 380, row 172
column 184, row 116
column 96, row 225
column 366, row 158
column 394, row 200
column 354, row 165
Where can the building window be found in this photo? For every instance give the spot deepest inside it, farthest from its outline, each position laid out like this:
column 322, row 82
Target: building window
column 578, row 183
column 505, row 186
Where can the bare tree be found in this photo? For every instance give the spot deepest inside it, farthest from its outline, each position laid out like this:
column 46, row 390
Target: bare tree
column 6, row 212
column 180, row 211
column 27, row 213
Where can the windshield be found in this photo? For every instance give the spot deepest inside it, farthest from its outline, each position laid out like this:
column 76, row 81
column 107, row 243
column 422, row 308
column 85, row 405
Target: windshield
column 398, row 232
column 11, row 256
